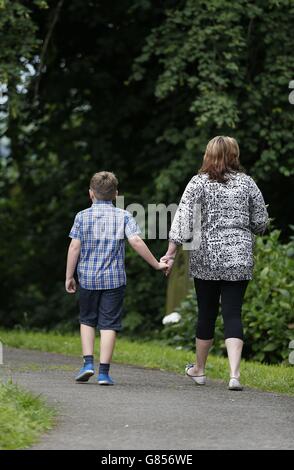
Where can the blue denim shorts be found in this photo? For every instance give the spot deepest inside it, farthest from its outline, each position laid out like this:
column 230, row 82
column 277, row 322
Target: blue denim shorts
column 102, row 309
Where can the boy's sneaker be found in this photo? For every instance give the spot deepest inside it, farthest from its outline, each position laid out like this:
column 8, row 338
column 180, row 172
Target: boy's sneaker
column 85, row 373
column 104, row 379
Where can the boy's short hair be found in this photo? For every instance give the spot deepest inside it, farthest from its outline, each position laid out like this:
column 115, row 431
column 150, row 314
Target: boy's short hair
column 104, row 185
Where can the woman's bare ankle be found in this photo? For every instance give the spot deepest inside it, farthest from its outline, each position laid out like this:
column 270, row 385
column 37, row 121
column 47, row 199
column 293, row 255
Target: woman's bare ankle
column 236, row 375
column 196, row 370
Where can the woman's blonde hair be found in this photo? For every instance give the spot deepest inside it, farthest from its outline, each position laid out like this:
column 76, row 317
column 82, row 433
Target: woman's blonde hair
column 221, row 158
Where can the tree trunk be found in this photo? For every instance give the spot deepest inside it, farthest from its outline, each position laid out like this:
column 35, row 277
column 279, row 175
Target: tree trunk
column 179, row 282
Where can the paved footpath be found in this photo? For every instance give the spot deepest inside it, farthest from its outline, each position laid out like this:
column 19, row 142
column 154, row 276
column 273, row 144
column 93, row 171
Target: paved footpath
column 149, row 409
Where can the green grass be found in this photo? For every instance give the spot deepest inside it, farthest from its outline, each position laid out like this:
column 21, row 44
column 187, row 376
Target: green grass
column 23, row 417
column 153, row 354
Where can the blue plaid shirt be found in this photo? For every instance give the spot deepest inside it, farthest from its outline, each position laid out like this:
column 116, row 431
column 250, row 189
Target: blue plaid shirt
column 102, row 230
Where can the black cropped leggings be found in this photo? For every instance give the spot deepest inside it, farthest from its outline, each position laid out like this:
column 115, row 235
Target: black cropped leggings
column 209, row 294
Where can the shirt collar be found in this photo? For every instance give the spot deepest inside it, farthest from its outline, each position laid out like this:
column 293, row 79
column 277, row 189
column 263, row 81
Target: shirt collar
column 101, row 202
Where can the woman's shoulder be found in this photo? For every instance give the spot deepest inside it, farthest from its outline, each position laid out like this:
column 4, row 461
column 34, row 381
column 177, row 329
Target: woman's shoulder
column 247, row 182
column 198, row 180
column 200, row 177
column 244, row 177
column 238, row 176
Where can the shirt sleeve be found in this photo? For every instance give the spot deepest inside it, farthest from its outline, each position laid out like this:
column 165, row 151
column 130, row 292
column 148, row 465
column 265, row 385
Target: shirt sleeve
column 131, row 226
column 258, row 214
column 75, row 231
column 182, row 226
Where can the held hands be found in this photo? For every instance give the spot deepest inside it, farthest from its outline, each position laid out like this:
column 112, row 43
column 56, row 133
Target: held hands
column 162, row 266
column 70, row 285
column 169, row 260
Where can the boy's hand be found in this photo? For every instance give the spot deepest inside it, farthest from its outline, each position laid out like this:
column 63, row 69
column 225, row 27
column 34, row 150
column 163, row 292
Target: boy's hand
column 162, row 266
column 169, row 261
column 70, row 285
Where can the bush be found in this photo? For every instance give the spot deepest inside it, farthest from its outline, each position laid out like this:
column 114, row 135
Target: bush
column 33, row 309
column 268, row 310
column 41, row 307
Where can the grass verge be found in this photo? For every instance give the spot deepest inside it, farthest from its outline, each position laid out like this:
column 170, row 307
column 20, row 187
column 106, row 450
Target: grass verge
column 23, row 417
column 153, row 354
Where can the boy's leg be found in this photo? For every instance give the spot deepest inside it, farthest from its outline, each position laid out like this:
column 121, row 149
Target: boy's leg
column 88, row 339
column 89, row 304
column 109, row 323
column 107, row 343
column 88, row 300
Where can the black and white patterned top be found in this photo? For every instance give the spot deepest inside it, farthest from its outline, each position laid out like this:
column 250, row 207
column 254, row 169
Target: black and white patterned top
column 231, row 213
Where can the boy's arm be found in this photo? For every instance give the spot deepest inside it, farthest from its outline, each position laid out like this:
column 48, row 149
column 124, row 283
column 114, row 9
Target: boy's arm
column 72, row 259
column 142, row 249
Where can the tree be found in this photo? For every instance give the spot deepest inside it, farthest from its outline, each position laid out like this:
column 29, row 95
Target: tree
column 137, row 88
column 225, row 68
column 83, row 118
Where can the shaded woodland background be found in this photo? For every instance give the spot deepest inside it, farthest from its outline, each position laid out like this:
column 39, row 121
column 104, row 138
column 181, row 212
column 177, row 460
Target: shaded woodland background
column 138, row 88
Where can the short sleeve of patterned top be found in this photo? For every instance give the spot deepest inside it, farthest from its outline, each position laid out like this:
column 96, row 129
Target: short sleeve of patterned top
column 230, row 214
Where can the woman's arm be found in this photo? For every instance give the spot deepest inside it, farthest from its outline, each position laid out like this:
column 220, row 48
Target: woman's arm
column 257, row 210
column 172, row 250
column 183, row 224
column 170, row 255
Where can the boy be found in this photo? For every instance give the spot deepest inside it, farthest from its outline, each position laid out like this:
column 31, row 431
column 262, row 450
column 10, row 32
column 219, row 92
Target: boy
column 97, row 249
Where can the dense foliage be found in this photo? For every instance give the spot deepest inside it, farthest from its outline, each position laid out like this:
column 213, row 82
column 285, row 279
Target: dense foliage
column 225, row 68
column 137, row 88
column 268, row 311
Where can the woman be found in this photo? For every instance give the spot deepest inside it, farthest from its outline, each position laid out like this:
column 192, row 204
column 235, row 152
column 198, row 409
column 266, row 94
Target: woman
column 232, row 210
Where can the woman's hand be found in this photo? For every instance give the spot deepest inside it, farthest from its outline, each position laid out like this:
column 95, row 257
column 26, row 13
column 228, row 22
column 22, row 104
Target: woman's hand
column 170, row 262
column 169, row 256
column 162, row 266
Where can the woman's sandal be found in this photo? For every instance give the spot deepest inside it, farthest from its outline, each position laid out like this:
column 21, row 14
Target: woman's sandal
column 198, row 379
column 235, row 385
